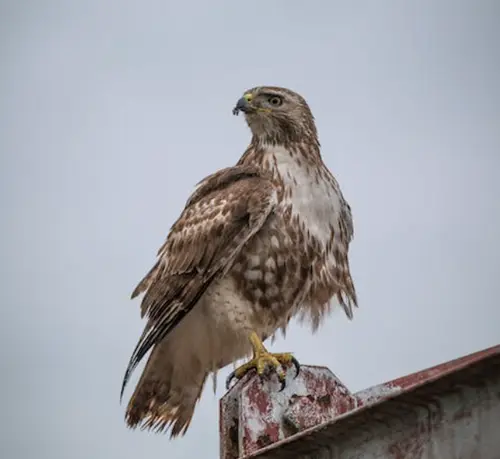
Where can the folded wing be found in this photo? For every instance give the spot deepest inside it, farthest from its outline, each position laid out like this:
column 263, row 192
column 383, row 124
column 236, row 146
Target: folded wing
column 222, row 214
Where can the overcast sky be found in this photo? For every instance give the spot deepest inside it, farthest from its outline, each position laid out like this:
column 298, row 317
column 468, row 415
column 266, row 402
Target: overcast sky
column 111, row 111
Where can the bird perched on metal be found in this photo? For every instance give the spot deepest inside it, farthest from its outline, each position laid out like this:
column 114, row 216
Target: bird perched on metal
column 256, row 244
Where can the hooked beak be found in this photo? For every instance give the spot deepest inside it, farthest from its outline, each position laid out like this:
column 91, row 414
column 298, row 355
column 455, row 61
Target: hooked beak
column 243, row 105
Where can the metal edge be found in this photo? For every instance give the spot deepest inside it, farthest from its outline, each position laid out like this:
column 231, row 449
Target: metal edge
column 422, row 379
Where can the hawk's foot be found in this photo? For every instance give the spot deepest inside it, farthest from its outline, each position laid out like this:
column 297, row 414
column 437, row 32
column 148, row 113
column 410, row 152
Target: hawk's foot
column 264, row 360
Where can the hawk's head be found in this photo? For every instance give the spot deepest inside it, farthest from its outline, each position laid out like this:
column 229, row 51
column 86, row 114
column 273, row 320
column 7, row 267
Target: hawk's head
column 277, row 115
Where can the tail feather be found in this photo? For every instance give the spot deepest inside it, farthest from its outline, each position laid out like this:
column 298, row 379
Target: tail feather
column 167, row 392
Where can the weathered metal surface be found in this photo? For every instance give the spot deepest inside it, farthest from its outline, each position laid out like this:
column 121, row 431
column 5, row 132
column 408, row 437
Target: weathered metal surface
column 262, row 415
column 448, row 411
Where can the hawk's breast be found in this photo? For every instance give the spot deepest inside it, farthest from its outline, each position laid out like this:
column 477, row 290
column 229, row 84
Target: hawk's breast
column 276, row 268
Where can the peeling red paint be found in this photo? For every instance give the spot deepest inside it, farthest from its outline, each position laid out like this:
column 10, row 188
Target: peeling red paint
column 258, row 398
column 451, row 410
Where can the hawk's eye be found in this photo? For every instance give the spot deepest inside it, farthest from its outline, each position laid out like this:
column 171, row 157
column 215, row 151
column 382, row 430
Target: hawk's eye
column 275, row 101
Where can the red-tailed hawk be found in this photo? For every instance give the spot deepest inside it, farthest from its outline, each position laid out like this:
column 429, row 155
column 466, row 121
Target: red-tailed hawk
column 256, row 244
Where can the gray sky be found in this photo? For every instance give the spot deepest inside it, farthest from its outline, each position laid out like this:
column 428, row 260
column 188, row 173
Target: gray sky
column 111, row 111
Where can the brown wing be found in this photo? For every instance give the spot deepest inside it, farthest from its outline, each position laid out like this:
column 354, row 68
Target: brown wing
column 346, row 296
column 223, row 213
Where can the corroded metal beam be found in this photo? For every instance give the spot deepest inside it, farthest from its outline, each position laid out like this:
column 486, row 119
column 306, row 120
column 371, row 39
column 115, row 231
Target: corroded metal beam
column 448, row 411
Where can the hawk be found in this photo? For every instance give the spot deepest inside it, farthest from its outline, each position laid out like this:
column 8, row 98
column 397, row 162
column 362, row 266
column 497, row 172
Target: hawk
column 256, row 244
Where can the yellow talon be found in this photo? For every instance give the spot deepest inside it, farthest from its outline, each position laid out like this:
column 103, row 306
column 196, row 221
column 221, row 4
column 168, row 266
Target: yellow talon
column 263, row 359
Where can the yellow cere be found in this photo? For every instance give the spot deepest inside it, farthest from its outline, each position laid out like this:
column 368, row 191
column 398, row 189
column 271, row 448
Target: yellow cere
column 249, row 98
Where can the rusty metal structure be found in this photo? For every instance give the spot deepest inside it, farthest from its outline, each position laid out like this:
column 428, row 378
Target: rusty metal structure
column 448, row 411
